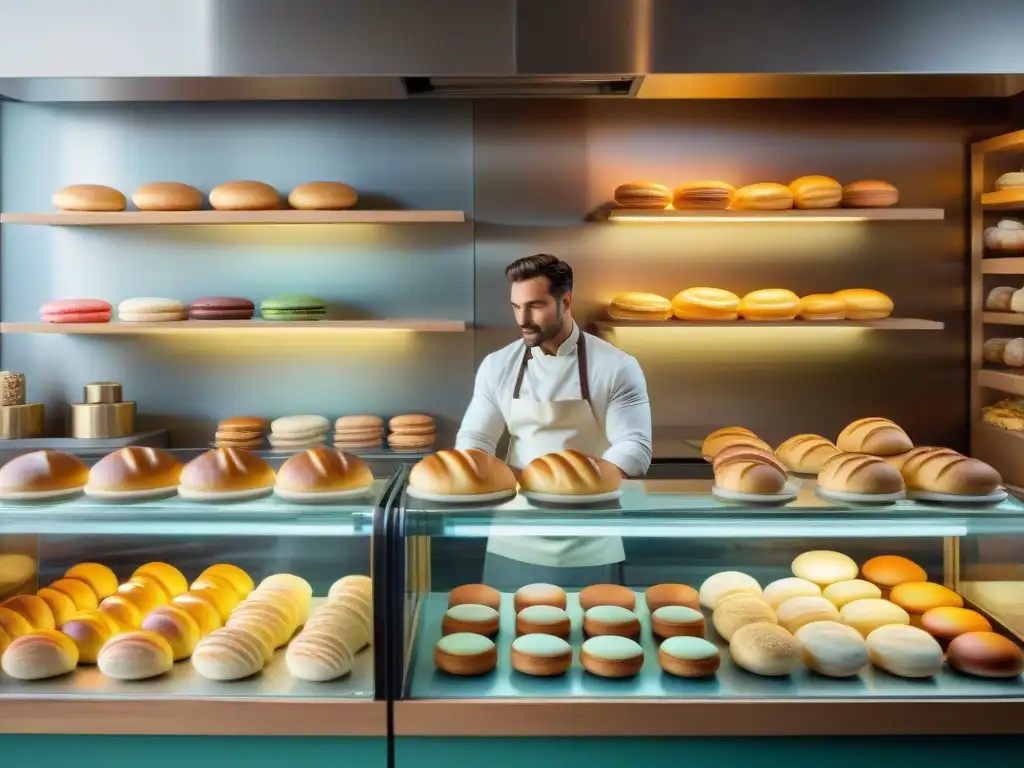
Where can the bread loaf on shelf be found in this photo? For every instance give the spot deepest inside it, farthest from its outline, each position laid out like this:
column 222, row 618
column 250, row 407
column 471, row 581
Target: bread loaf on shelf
column 859, row 473
column 822, row 306
column 640, row 306
column 765, row 196
column 705, row 304
column 571, row 473
column 41, row 472
column 720, row 439
column 769, row 304
column 806, row 454
column 89, row 197
column 323, row 470
column 865, row 303
column 643, row 194
column 244, row 196
column 1011, row 180
column 135, row 656
column 750, row 475
column 703, row 196
column 870, row 194
column 229, row 653
column 135, row 468
column 741, row 451
column 455, row 473
column 816, row 192
column 998, row 299
column 1007, row 235
column 875, row 436
column 39, row 655
column 167, row 196
column 323, row 196
column 994, row 351
column 945, row 471
column 223, row 471
column 1013, row 353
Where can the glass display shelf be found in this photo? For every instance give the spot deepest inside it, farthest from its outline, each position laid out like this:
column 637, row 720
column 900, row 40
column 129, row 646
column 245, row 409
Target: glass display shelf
column 687, row 509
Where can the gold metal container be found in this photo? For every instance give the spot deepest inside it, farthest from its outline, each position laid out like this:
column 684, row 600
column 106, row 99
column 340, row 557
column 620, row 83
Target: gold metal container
column 12, row 388
column 103, row 392
column 20, row 421
column 94, row 420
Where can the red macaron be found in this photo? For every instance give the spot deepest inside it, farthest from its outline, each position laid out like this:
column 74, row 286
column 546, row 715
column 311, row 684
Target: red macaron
column 221, row 308
column 76, row 311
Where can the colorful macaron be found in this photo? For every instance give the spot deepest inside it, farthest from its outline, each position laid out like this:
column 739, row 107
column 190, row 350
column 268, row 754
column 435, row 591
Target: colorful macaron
column 293, row 306
column 151, row 309
column 221, row 308
column 76, row 311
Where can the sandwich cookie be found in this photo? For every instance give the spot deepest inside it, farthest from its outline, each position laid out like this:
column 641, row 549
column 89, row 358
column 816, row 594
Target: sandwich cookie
column 661, row 595
column 539, row 594
column 293, row 306
column 358, row 432
column 689, row 657
column 677, row 621
column 477, row 619
column 221, row 308
column 541, row 655
column 607, row 594
column 703, row 196
column 465, row 654
column 610, row 620
column 150, row 309
column 241, row 432
column 76, row 311
column 296, row 432
column 612, row 656
column 643, row 194
column 543, row 620
column 413, row 431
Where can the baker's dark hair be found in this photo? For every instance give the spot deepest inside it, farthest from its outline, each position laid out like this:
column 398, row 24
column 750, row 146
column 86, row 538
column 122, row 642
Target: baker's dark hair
column 558, row 272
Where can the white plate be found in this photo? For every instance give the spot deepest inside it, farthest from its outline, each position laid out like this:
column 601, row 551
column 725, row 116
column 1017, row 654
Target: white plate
column 788, row 494
column 320, row 498
column 952, row 498
column 254, row 493
column 66, row 493
column 473, row 498
column 152, row 493
column 563, row 498
column 860, row 498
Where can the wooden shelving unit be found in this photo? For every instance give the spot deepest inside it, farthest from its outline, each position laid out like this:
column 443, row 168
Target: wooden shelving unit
column 199, row 218
column 1003, row 265
column 237, row 326
column 1002, row 318
column 1006, row 200
column 821, row 216
column 1000, row 381
column 888, row 324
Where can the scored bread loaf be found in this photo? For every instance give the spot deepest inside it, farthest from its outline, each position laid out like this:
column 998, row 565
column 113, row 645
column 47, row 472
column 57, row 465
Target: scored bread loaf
column 643, row 194
column 859, row 473
column 738, row 450
column 875, row 436
column 225, row 470
column 323, row 470
column 816, row 192
column 135, row 468
column 902, row 458
column 460, row 473
column 806, row 454
column 720, row 439
column 766, row 196
column 705, row 304
column 998, row 299
column 769, row 304
column 941, row 470
column 640, row 306
column 41, row 472
column 750, row 474
column 571, row 473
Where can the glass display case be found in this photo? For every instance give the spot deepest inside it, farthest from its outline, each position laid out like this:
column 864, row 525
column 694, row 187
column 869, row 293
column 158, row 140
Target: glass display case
column 676, row 531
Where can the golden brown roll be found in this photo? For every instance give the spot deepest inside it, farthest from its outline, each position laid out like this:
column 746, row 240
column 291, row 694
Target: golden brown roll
column 144, row 592
column 750, row 475
column 660, row 595
column 946, row 622
column 475, row 594
column 886, row 571
column 38, row 655
column 570, row 473
column 766, row 196
column 13, row 623
column 703, row 196
column 218, row 592
column 33, row 608
column 842, row 592
column 741, row 451
column 170, row 579
column 865, row 303
column 643, row 194
column 870, row 194
column 640, row 306
column 859, row 473
column 461, row 473
column 322, row 470
column 244, row 196
column 769, row 304
column 61, row 606
column 816, row 192
column 225, row 472
column 228, row 654
column 806, row 454
column 40, row 474
column 175, row 625
column 985, row 654
column 89, row 197
column 132, row 470
column 323, row 196
column 167, row 196
column 99, row 577
column 89, row 633
column 203, row 612
column 943, row 471
column 721, row 439
column 1011, row 180
column 900, row 459
column 15, row 572
column 706, row 304
column 919, row 597
column 81, row 594
column 318, row 656
column 822, row 306
column 238, row 578
column 122, row 611
column 874, row 436
column 135, row 656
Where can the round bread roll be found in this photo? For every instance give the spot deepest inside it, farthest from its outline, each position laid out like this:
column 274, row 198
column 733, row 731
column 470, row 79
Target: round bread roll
column 706, row 304
column 824, row 567
column 89, row 632
column 13, row 623
column 39, row 655
column 132, row 470
column 539, row 594
column 167, row 196
column 994, row 351
column 766, row 196
column 99, row 577
column 322, row 470
column 998, row 299
column 874, row 436
column 40, row 474
column 822, row 306
column 724, row 584
column 1011, row 180
column 89, row 197
column 904, row 651
column 660, row 595
column 806, row 454
column 323, row 196
column 769, row 304
column 869, row 614
column 721, row 439
column 865, row 303
column 461, row 473
column 297, row 585
column 947, row 622
column 541, row 655
column 1000, row 238
column 244, row 196
column 703, row 196
column 144, row 592
column 1017, row 301
column 33, row 608
column 797, row 611
column 135, row 656
column 832, row 649
column 122, row 612
column 781, row 590
column 607, row 594
column 889, row 570
column 175, row 625
column 476, row 594
column 224, row 472
column 750, row 475
column 229, row 653
column 1013, row 353
column 740, row 451
column 765, row 649
column 739, row 611
column 842, row 592
column 61, row 606
column 859, row 473
column 870, row 194
column 570, row 473
column 318, row 657
column 640, row 306
column 816, row 192
column 985, row 654
column 240, row 580
column 943, row 471
column 917, row 597
column 643, row 194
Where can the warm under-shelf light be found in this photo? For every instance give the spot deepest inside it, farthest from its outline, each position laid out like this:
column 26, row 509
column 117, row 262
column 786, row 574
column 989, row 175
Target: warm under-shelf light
column 753, row 217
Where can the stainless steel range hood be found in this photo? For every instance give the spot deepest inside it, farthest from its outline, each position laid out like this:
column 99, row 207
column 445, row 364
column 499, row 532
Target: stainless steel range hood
column 112, row 50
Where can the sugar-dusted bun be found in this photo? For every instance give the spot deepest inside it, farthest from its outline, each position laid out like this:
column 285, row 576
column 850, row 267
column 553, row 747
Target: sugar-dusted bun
column 135, row 656
column 859, row 473
column 244, row 196
column 34, row 609
column 99, row 577
column 318, row 656
column 323, row 196
column 832, row 649
column 721, row 439
column 738, row 612
column 765, row 196
column 770, row 304
column 816, row 192
column 460, row 473
column 228, row 654
column 705, row 304
column 122, row 612
column 750, row 475
column 276, row 619
column 743, row 451
column 175, row 625
column 822, row 306
column 865, row 303
column 38, row 655
column 296, row 585
column 765, row 649
column 904, row 651
column 806, row 454
column 37, row 474
column 947, row 472
column 874, row 436
column 886, row 571
column 166, row 575
column 135, row 468
column 985, row 654
column 239, row 579
column 323, row 470
column 724, row 584
column 89, row 197
column 225, row 471
column 167, row 196
column 89, row 632
column 570, row 473
column 640, row 306
column 643, row 194
column 202, row 611
column 870, row 194
column 1011, row 180
column 703, row 196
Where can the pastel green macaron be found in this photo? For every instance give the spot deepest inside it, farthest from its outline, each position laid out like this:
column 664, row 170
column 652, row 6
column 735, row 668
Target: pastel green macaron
column 293, row 306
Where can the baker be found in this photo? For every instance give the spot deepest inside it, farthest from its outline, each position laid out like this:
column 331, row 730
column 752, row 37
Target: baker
column 558, row 388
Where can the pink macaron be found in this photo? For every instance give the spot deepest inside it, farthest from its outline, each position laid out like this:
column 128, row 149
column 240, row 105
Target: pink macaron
column 76, row 311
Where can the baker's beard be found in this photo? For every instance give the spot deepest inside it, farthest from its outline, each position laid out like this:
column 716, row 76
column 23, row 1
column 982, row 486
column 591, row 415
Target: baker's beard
column 541, row 333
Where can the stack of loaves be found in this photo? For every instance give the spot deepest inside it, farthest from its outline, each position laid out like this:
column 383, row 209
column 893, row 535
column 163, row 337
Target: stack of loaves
column 241, row 432
column 295, row 433
column 703, row 196
column 1007, row 235
column 743, row 463
column 1004, row 351
column 325, row 649
column 1005, row 298
column 358, row 432
column 412, row 432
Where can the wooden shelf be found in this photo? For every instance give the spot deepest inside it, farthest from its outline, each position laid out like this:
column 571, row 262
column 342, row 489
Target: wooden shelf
column 822, row 215
column 1001, row 381
column 1008, row 142
column 888, row 324
column 1002, row 318
column 1008, row 265
column 1006, row 200
column 198, row 218
column 239, row 326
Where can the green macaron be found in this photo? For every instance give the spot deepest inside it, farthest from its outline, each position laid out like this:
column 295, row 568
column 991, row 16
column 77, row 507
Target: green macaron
column 293, row 306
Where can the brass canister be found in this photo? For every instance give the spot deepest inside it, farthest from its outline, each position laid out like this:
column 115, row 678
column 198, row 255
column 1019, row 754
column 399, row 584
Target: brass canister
column 12, row 388
column 96, row 420
column 21, row 421
column 103, row 392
